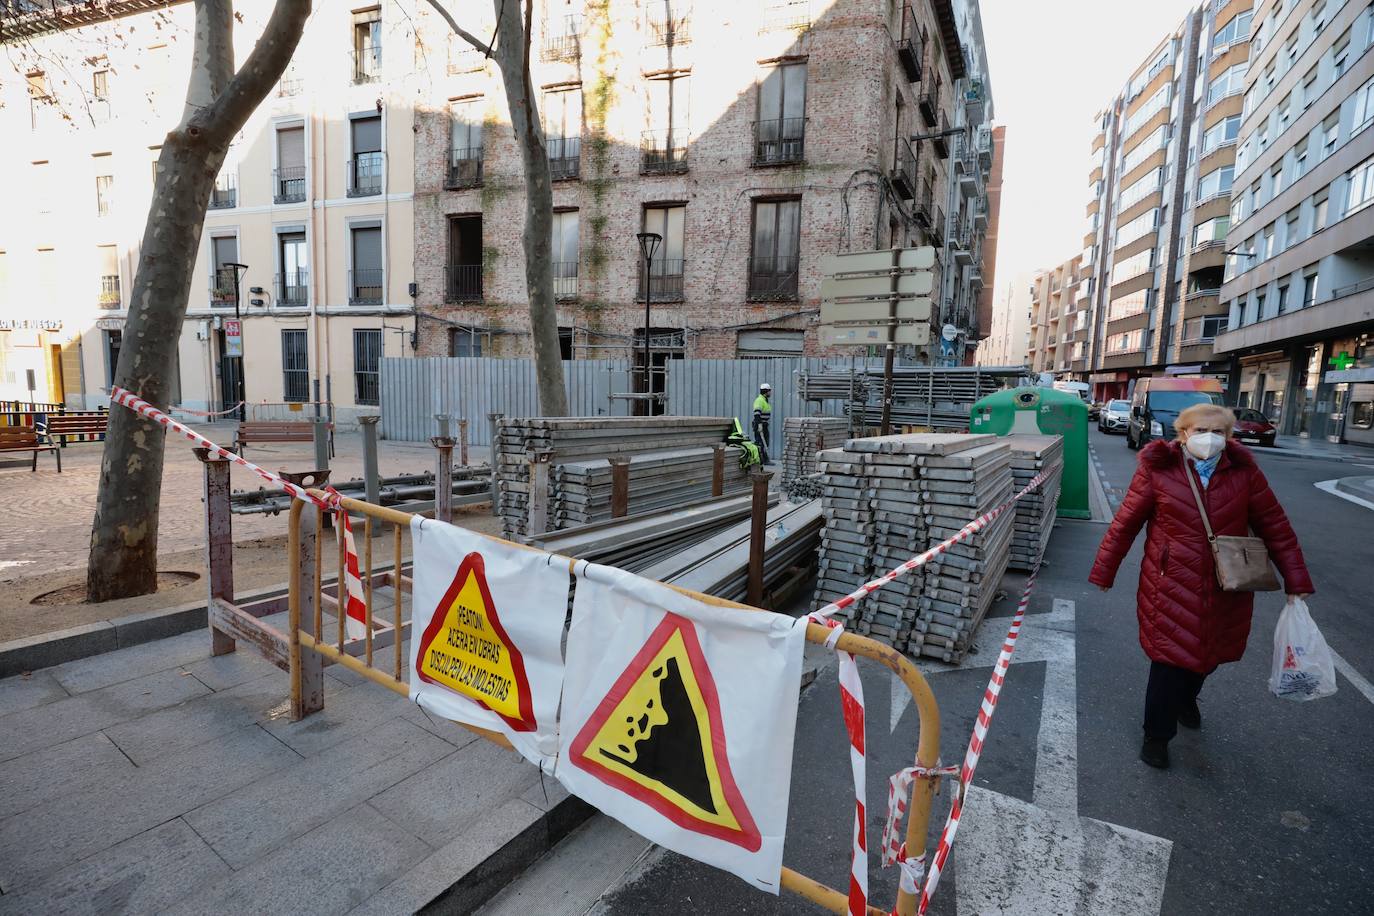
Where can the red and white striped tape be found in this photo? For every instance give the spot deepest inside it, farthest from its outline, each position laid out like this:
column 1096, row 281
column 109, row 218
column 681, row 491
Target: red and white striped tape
column 204, row 413
column 354, row 604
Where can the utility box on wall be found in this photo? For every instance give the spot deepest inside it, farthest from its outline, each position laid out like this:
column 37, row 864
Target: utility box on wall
column 1044, row 411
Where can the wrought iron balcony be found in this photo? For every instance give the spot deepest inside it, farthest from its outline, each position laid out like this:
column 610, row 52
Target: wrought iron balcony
column 225, row 193
column 367, row 287
column 781, row 15
column 564, row 280
column 464, row 168
column 903, row 174
column 365, row 174
column 463, row 283
column 109, row 291
column 665, row 281
column 938, row 142
column 980, row 213
column 910, row 45
column 928, row 102
column 222, row 287
column 565, row 158
column 669, row 31
column 292, row 288
column 290, row 84
column 288, row 185
column 959, row 244
column 562, row 39
column 937, row 227
column 779, row 141
column 663, row 152
column 773, row 278
column 922, row 204
column 367, row 64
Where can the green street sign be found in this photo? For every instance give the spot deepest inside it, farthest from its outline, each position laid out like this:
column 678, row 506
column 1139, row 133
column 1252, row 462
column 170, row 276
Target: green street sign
column 1341, row 361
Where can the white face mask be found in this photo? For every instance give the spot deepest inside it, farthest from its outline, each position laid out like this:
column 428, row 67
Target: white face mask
column 1204, row 445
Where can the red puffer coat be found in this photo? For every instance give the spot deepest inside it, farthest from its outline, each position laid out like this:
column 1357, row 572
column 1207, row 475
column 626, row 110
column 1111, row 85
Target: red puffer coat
column 1185, row 618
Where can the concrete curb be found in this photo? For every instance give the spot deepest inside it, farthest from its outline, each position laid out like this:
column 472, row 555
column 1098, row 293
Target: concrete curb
column 29, row 653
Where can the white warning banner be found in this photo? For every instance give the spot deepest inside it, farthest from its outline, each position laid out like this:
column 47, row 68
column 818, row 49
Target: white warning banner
column 486, row 627
column 678, row 719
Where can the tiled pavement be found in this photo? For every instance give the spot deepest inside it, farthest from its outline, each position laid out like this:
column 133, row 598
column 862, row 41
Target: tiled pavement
column 159, row 779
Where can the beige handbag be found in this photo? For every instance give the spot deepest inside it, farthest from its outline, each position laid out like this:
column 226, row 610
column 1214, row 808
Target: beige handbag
column 1242, row 563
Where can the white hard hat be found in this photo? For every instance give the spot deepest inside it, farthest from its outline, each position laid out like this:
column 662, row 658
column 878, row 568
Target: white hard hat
column 765, row 387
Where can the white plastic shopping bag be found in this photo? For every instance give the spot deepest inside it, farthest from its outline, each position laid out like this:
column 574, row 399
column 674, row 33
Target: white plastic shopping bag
column 1303, row 669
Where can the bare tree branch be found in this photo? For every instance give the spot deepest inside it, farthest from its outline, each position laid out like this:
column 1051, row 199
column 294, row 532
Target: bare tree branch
column 262, row 69
column 461, row 32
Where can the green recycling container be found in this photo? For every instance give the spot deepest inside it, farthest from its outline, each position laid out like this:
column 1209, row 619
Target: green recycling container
column 1044, row 411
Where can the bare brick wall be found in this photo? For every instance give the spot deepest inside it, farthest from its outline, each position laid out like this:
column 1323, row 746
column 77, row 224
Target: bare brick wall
column 852, row 79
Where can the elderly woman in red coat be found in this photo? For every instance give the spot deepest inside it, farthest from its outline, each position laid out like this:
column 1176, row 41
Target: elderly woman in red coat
column 1188, row 625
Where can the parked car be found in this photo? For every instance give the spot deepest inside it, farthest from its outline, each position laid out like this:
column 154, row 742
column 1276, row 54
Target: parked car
column 1254, row 427
column 1115, row 416
column 1094, row 409
column 1157, row 402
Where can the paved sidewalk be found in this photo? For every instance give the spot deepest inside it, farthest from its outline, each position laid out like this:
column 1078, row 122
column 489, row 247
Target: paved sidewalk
column 1298, row 447
column 157, row 778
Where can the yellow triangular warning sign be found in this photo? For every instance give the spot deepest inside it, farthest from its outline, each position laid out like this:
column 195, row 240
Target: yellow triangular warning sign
column 658, row 736
column 466, row 649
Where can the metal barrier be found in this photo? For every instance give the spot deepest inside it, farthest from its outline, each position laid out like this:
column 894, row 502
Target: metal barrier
column 308, row 649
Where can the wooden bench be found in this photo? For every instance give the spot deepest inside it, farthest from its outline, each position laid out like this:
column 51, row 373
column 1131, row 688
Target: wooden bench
column 257, row 431
column 25, row 439
column 63, row 426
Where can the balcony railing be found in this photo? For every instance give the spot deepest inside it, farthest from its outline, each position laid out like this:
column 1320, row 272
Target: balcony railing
column 980, row 212
column 668, row 31
column 222, row 287
column 288, row 185
column 565, row 158
column 903, row 175
column 365, row 174
column 939, row 142
column 464, row 168
column 367, row 64
column 665, row 281
column 910, row 45
column 293, row 288
column 366, row 287
column 928, row 102
column 290, row 85
column 937, row 226
column 663, row 152
column 959, row 243
column 109, row 291
column 463, row 283
column 779, row 141
column 463, row 57
column 1208, row 243
column 564, row 280
column 773, row 277
column 224, row 194
column 780, row 15
column 562, row 39
column 923, row 203
column 1203, row 294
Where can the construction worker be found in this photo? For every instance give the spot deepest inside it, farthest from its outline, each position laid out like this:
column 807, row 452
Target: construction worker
column 763, row 413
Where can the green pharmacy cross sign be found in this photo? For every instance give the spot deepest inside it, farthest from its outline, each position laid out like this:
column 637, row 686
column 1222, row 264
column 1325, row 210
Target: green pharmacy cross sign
column 1341, row 361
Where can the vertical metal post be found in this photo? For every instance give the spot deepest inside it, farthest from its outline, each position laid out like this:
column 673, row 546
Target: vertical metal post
column 442, row 419
column 538, row 519
column 371, row 481
column 307, row 668
column 718, row 469
column 219, row 541
column 758, row 524
column 443, row 474
column 620, row 486
column 321, row 445
column 495, row 420
column 463, row 442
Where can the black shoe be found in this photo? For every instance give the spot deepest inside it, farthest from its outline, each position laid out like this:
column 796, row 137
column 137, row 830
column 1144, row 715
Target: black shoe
column 1190, row 716
column 1155, row 752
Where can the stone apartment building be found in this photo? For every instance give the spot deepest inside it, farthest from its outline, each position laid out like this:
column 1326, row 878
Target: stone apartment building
column 1058, row 341
column 755, row 138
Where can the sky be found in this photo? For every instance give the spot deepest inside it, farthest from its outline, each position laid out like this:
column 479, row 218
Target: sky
column 1054, row 65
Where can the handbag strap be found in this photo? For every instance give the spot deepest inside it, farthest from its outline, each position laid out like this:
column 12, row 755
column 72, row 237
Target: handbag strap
column 1198, row 496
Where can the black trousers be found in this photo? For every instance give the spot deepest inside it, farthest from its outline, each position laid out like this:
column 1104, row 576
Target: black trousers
column 1169, row 690
column 761, row 439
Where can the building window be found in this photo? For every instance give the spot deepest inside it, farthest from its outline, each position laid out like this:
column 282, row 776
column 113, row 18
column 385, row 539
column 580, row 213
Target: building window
column 562, row 30
column 224, row 195
column 113, row 341
column 464, row 342
column 367, row 366
column 1205, row 328
column 774, row 258
column 100, row 96
column 104, row 192
column 295, row 365
column 40, row 99
column 1129, row 342
column 1364, row 106
column 463, row 273
column 1215, row 183
column 1290, row 232
column 663, row 146
column 1133, row 266
column 1220, row 133
column 1212, row 231
column 563, row 133
column 669, row 22
column 465, row 144
column 780, row 131
column 1237, row 28
column 1319, row 205
column 1229, row 82
column 765, row 343
column 224, row 250
column 1266, row 244
column 1340, row 56
column 1309, row 88
column 786, row 14
column 1130, row 304
column 288, row 184
column 365, row 166
column 1361, row 192
column 1309, row 288
column 293, row 282
column 1137, row 228
column 667, row 268
column 565, row 254
column 366, row 280
column 1276, row 180
column 108, row 258
column 367, row 46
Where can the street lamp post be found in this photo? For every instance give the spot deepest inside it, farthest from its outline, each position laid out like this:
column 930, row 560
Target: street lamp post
column 648, row 244
column 238, row 380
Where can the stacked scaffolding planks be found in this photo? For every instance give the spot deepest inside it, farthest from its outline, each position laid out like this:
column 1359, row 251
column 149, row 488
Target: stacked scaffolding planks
column 938, row 397
column 589, row 440
column 1030, row 455
column 803, row 437
column 889, row 498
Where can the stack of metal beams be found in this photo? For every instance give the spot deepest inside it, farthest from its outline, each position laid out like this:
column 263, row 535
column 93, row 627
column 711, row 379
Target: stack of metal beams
column 803, row 437
column 889, row 498
column 1030, row 455
column 930, row 396
column 582, row 489
column 584, row 439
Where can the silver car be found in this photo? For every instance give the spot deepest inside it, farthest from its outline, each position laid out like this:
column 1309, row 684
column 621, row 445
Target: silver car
column 1114, row 417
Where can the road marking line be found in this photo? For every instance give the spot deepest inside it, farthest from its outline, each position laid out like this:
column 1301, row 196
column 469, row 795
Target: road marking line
column 1356, row 679
column 1330, row 487
column 1056, row 759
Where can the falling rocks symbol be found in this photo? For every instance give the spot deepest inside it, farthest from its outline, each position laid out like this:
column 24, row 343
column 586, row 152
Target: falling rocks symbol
column 466, row 649
column 658, row 736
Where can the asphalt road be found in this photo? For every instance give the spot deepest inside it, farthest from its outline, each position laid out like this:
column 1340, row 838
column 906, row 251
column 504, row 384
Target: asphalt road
column 1269, row 808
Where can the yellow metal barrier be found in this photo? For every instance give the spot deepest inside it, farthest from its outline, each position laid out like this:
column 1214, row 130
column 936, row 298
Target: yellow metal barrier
column 306, row 601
